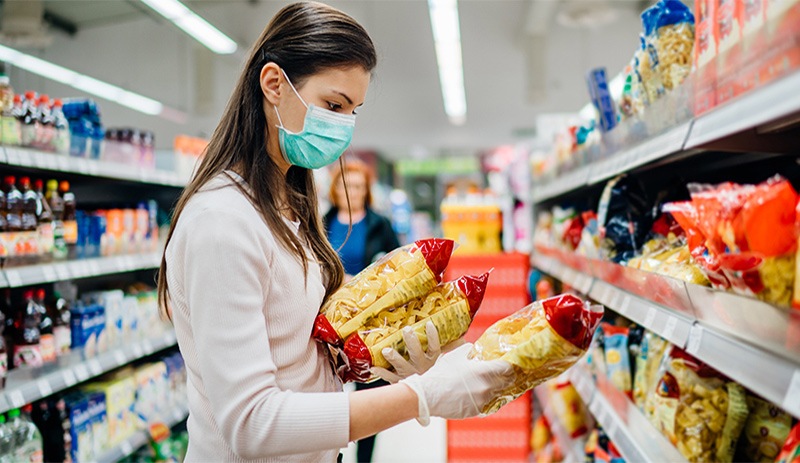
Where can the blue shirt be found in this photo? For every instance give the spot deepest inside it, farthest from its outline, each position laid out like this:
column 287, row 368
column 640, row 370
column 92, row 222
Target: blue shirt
column 352, row 253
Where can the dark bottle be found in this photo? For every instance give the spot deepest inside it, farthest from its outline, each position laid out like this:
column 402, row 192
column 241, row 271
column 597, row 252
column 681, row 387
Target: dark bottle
column 8, row 333
column 14, row 204
column 70, row 223
column 47, row 340
column 58, row 309
column 30, row 224
column 57, row 207
column 30, row 119
column 44, row 216
column 3, row 351
column 27, row 347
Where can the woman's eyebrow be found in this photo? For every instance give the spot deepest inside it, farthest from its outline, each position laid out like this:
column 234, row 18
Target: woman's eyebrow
column 349, row 101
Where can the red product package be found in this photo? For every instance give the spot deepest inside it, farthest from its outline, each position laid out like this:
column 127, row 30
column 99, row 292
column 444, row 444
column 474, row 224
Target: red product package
column 790, row 453
column 451, row 308
column 402, row 275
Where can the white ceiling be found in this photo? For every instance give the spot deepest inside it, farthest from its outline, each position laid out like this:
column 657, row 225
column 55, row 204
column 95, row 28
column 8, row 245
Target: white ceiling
column 404, row 110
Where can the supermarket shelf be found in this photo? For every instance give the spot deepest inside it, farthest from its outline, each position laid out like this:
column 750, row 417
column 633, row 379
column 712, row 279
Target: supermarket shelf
column 626, row 426
column 756, row 108
column 751, row 342
column 573, row 449
column 140, row 439
column 23, row 157
column 28, row 385
column 565, row 183
column 72, row 270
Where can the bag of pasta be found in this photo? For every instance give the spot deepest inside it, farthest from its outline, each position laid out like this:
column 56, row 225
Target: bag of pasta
column 674, row 42
column 698, row 410
column 450, row 307
column 540, row 341
column 404, row 274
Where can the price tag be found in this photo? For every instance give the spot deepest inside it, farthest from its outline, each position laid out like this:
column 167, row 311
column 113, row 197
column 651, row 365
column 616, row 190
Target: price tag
column 49, row 273
column 81, row 373
column 16, row 399
column 82, row 166
column 695, row 337
column 792, row 400
column 51, row 163
column 63, row 164
column 4, row 405
column 612, row 429
column 148, row 346
column 623, row 306
column 94, row 169
column 69, row 378
column 94, row 367
column 137, row 351
column 669, row 330
column 13, row 156
column 119, row 357
column 25, row 158
column 94, row 267
column 38, row 160
column 14, row 279
column 595, row 408
column 62, row 271
column 45, row 389
column 126, row 448
column 650, row 317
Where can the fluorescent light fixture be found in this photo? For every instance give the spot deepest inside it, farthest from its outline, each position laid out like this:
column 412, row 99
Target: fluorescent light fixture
column 81, row 82
column 447, row 42
column 194, row 25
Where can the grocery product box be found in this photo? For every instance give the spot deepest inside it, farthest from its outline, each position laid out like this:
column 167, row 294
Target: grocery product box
column 80, row 421
column 120, row 394
column 98, row 417
column 88, row 326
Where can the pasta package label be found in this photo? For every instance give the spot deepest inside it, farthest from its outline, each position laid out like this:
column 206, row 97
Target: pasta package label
column 393, row 280
column 540, row 342
column 450, row 307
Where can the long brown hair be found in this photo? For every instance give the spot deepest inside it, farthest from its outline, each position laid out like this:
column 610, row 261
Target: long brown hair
column 303, row 38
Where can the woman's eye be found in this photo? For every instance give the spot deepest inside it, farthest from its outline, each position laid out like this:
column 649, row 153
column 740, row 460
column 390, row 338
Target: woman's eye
column 334, row 106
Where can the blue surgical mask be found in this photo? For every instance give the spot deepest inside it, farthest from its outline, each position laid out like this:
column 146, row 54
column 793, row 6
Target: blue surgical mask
column 325, row 136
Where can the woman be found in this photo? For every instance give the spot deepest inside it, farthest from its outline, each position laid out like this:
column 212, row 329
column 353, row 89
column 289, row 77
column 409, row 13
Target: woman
column 360, row 236
column 247, row 264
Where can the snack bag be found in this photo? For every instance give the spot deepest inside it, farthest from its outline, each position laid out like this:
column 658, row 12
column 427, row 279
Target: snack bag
column 404, row 274
column 569, row 407
column 674, row 42
column 625, row 217
column 790, row 453
column 450, row 307
column 647, row 365
column 765, row 430
column 618, row 362
column 700, row 412
column 647, row 56
column 540, row 341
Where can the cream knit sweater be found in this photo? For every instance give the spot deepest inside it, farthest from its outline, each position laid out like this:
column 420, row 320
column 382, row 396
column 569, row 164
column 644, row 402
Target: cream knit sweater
column 260, row 389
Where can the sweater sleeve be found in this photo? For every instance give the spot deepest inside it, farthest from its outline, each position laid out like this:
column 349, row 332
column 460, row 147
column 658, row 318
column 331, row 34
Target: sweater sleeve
column 226, row 265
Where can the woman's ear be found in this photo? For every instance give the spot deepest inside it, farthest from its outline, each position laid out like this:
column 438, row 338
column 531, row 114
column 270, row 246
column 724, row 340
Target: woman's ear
column 270, row 80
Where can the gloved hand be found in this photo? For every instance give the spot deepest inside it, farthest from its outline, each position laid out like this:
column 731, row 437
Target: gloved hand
column 419, row 361
column 457, row 387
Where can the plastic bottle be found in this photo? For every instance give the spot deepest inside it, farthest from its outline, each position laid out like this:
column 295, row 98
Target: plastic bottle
column 30, row 448
column 13, row 220
column 47, row 129
column 27, row 348
column 30, row 223
column 8, row 333
column 3, row 226
column 44, row 215
column 15, row 122
column 7, row 442
column 61, row 125
column 3, row 351
column 58, row 310
column 57, row 207
column 8, row 123
column 47, row 340
column 30, row 120
column 70, row 223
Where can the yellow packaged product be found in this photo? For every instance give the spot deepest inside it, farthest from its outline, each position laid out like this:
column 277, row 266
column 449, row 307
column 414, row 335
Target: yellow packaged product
column 540, row 342
column 765, row 431
column 398, row 277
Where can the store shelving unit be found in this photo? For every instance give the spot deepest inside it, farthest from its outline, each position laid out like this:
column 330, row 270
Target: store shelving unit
column 16, row 277
column 26, row 385
column 140, row 438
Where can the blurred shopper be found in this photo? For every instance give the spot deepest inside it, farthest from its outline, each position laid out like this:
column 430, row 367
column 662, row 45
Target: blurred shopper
column 360, row 236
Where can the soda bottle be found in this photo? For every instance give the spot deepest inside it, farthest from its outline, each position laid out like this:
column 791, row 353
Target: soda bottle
column 30, row 447
column 47, row 340
column 30, row 223
column 66, row 431
column 70, row 223
column 44, row 215
column 8, row 122
column 30, row 120
column 61, row 125
column 7, row 442
column 14, row 207
column 58, row 309
column 57, row 207
column 8, row 331
column 47, row 129
column 27, row 347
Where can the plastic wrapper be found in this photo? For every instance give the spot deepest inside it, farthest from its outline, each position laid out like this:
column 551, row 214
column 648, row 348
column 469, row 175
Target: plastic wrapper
column 402, row 275
column 647, row 366
column 450, row 307
column 700, row 412
column 669, row 256
column 646, row 56
column 540, row 342
column 625, row 217
column 618, row 364
column 674, row 42
column 570, row 409
column 765, row 431
column 744, row 236
column 790, row 453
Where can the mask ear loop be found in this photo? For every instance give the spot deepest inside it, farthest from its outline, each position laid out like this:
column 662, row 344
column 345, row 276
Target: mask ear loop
column 342, row 167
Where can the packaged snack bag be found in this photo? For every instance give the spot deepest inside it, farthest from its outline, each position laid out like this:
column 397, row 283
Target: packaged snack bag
column 674, row 42
column 647, row 365
column 701, row 412
column 540, row 341
column 570, row 409
column 395, row 279
column 617, row 357
column 790, row 453
column 765, row 431
column 647, row 56
column 450, row 307
column 625, row 216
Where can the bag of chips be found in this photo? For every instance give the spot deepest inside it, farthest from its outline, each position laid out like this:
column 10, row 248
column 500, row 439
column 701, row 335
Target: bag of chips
column 765, row 431
column 700, row 412
column 450, row 307
column 402, row 275
column 648, row 363
column 618, row 362
column 790, row 453
column 540, row 342
column 569, row 407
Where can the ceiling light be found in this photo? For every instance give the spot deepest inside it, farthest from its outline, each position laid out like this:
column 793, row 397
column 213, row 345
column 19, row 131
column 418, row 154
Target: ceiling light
column 447, row 43
column 194, row 25
column 81, row 82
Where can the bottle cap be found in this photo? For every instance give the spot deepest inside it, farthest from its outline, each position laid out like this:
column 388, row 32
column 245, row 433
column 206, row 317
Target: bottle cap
column 64, row 185
column 38, row 184
column 40, row 294
column 10, row 179
column 30, row 95
column 13, row 413
column 28, row 294
column 25, row 181
column 44, row 99
column 58, row 103
column 52, row 184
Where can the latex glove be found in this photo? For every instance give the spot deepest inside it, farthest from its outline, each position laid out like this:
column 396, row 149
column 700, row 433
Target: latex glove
column 419, row 362
column 458, row 387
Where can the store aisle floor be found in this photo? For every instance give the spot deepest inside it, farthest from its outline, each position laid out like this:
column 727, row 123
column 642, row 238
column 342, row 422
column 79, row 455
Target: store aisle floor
column 408, row 442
